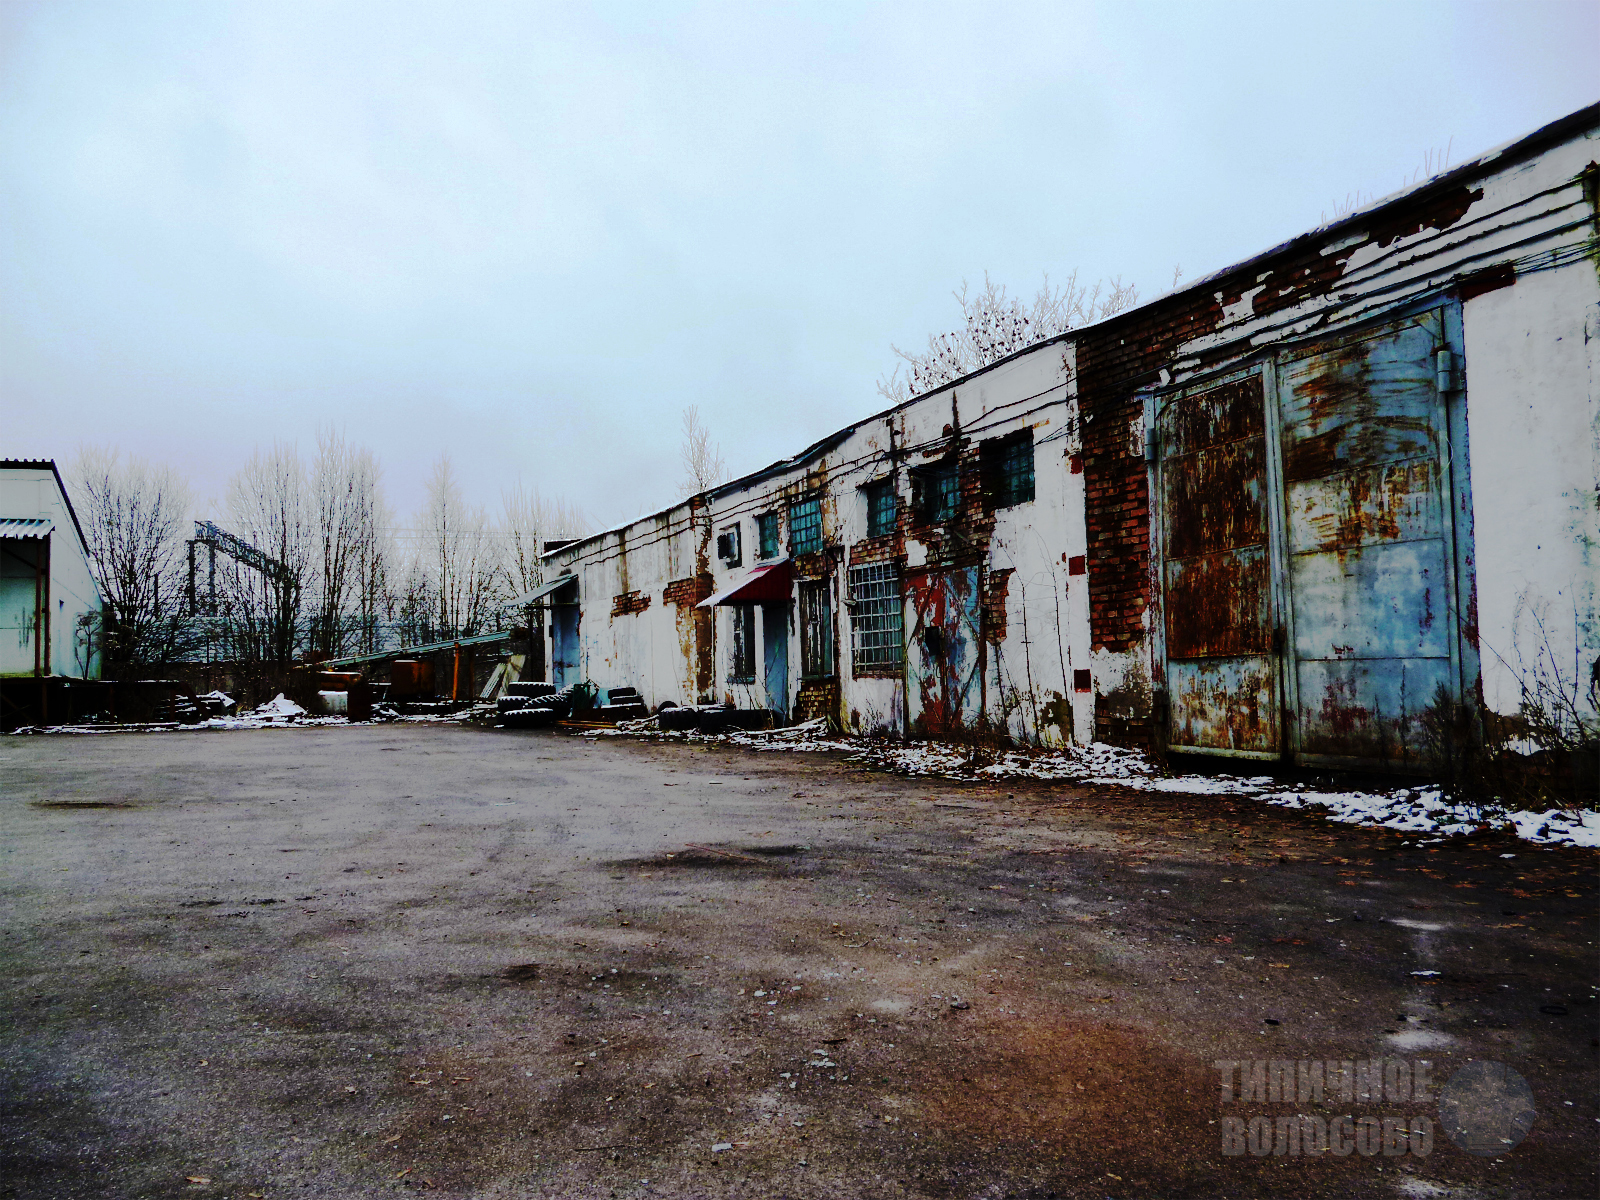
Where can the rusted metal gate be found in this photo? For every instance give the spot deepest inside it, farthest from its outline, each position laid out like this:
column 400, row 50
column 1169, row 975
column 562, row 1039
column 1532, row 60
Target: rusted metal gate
column 944, row 660
column 1305, row 551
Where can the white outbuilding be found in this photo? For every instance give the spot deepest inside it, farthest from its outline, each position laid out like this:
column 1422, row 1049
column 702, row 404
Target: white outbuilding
column 50, row 605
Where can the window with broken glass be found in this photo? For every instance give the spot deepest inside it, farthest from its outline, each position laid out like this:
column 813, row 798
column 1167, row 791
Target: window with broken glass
column 938, row 491
column 816, row 628
column 877, row 623
column 805, row 526
column 742, row 643
column 1008, row 469
column 882, row 505
column 767, row 531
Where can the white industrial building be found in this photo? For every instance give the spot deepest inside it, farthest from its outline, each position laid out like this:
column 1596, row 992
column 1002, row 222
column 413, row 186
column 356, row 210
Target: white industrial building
column 1284, row 512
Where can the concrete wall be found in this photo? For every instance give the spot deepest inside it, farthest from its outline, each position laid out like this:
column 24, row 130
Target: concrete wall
column 32, row 491
column 1532, row 352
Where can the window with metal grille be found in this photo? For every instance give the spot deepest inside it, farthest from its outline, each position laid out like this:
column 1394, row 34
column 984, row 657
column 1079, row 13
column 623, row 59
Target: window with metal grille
column 882, row 506
column 767, row 529
column 742, row 644
column 805, row 526
column 938, row 491
column 816, row 627
column 1008, row 469
column 876, row 618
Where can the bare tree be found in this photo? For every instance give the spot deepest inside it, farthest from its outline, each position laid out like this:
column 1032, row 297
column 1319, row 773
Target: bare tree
column 135, row 517
column 458, row 558
column 702, row 459
column 349, row 516
column 268, row 506
column 375, row 602
column 996, row 324
column 528, row 519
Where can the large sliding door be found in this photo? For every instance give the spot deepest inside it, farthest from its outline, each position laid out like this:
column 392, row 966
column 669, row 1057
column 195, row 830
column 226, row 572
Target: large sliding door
column 1305, row 551
column 1370, row 551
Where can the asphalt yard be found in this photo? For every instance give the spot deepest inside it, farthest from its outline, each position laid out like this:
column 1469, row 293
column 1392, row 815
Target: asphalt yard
column 365, row 961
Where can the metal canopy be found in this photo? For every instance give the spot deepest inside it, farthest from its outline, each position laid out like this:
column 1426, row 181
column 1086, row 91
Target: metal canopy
column 543, row 590
column 765, row 584
column 26, row 527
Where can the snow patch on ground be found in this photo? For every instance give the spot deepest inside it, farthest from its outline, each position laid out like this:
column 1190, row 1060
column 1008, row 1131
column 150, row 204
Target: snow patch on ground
column 1421, row 810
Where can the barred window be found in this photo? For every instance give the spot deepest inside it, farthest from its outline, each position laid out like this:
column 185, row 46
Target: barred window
column 805, row 526
column 882, row 504
column 1008, row 469
column 767, row 529
column 876, row 619
column 816, row 627
column 742, row 644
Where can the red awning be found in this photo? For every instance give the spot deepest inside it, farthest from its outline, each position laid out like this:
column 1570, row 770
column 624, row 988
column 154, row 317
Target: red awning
column 767, row 583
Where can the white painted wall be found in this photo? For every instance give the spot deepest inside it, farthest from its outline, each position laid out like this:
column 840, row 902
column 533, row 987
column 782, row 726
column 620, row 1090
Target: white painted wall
column 30, row 492
column 1047, row 635
column 1533, row 411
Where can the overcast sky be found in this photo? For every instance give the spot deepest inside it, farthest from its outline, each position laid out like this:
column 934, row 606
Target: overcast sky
column 529, row 235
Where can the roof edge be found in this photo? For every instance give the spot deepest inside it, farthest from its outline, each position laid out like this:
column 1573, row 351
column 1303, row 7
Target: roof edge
column 1513, row 150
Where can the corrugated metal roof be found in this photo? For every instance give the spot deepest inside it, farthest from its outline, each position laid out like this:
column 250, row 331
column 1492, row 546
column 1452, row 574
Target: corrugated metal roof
column 26, row 527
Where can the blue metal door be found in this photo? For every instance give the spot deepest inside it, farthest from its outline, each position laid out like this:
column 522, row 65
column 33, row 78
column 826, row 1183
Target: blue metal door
column 564, row 665
column 1369, row 541
column 775, row 656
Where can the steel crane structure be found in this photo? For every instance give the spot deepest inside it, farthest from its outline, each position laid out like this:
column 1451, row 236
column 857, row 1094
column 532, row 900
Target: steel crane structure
column 285, row 586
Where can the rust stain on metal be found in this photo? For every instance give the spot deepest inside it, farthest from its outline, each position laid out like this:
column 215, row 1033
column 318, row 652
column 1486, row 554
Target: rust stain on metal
column 1382, row 504
column 1345, row 422
column 1214, row 499
column 1217, row 606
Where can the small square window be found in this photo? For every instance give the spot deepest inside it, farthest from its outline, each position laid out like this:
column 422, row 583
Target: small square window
column 767, row 529
column 882, row 507
column 805, row 527
column 1008, row 469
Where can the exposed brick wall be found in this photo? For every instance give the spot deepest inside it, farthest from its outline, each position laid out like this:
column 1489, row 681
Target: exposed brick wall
column 686, row 593
column 875, row 550
column 629, row 603
column 994, row 605
column 817, row 565
column 818, row 698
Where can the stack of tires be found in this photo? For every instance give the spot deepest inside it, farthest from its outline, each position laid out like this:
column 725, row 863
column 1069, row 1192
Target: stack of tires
column 714, row 718
column 531, row 705
column 622, row 704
